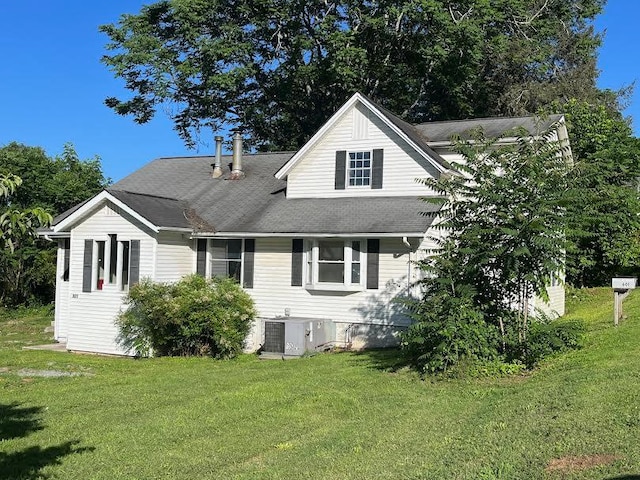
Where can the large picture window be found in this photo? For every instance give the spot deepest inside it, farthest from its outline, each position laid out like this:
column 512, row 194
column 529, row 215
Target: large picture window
column 334, row 262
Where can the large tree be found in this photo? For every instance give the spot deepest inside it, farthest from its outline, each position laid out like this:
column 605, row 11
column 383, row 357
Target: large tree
column 604, row 227
column 505, row 217
column 48, row 185
column 280, row 69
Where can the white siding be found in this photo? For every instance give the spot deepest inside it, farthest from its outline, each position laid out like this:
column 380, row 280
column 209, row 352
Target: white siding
column 174, row 256
column 555, row 306
column 314, row 175
column 273, row 293
column 91, row 314
column 61, row 315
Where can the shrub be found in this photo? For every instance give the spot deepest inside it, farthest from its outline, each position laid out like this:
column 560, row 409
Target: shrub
column 194, row 316
column 480, row 368
column 447, row 329
column 544, row 339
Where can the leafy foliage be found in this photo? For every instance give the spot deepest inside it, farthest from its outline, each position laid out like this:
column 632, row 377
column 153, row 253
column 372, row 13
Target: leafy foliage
column 194, row 316
column 604, row 226
column 16, row 227
column 504, row 219
column 448, row 329
column 16, row 223
column 544, row 339
column 48, row 186
column 280, row 69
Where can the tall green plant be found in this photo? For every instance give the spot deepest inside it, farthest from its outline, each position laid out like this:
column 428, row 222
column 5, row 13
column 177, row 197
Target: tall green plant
column 505, row 217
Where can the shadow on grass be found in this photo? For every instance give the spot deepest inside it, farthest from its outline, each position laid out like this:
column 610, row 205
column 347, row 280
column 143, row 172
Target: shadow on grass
column 625, row 477
column 27, row 463
column 384, row 359
column 16, row 422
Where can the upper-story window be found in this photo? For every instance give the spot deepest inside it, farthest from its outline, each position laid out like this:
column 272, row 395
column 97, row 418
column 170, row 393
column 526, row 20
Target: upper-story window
column 359, row 169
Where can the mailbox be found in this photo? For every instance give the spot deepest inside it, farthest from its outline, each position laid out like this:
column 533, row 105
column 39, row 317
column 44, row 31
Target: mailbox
column 624, row 283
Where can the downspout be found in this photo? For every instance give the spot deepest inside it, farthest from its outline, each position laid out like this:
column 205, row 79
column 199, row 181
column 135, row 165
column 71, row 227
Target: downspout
column 405, row 240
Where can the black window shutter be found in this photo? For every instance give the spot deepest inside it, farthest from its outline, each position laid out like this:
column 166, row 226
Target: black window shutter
column 373, row 252
column 201, row 257
column 297, row 245
column 87, row 266
column 249, row 253
column 134, row 262
column 376, row 168
column 341, row 168
column 66, row 246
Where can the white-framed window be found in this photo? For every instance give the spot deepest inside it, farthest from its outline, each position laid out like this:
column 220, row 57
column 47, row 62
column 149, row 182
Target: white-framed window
column 100, row 263
column 124, row 255
column 112, row 263
column 335, row 261
column 66, row 259
column 226, row 258
column 359, row 169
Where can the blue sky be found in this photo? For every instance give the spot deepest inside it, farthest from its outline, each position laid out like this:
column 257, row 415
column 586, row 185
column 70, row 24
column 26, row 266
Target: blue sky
column 52, row 84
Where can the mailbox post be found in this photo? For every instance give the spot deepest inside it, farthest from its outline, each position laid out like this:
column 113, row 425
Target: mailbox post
column 621, row 287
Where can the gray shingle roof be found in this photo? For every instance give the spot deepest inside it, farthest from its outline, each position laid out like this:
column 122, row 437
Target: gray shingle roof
column 492, row 127
column 180, row 192
column 167, row 189
column 161, row 211
column 414, row 135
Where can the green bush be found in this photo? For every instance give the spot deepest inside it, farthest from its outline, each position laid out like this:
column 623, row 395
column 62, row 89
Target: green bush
column 544, row 339
column 480, row 368
column 194, row 316
column 446, row 330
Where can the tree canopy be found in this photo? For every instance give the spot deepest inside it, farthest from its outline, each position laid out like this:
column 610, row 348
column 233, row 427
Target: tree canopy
column 16, row 224
column 280, row 69
column 47, row 186
column 604, row 227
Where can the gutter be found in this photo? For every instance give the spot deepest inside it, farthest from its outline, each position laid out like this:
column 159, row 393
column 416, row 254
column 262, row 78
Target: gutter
column 305, row 235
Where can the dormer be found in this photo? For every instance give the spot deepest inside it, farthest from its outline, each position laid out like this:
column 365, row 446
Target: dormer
column 362, row 151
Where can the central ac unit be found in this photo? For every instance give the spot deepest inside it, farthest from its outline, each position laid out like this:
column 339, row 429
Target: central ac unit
column 295, row 336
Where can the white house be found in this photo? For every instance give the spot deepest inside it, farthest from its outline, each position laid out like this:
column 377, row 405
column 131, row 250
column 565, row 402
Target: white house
column 324, row 239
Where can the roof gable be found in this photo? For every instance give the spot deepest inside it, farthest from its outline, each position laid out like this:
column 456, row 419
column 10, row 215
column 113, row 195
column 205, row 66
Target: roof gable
column 62, row 222
column 434, row 162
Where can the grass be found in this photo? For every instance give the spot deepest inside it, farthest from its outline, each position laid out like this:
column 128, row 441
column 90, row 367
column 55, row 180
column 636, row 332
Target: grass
column 334, row 416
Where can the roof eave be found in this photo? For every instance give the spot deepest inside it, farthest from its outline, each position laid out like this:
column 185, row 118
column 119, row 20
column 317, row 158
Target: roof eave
column 95, row 201
column 307, row 235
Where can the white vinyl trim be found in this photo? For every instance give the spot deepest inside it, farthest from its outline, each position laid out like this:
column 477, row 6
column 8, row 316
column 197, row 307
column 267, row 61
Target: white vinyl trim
column 95, row 201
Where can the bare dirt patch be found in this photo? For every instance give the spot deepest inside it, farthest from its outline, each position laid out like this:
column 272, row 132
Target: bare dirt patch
column 28, row 372
column 581, row 462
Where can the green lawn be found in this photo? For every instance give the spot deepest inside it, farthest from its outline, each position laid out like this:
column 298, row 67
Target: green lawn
column 332, row 416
